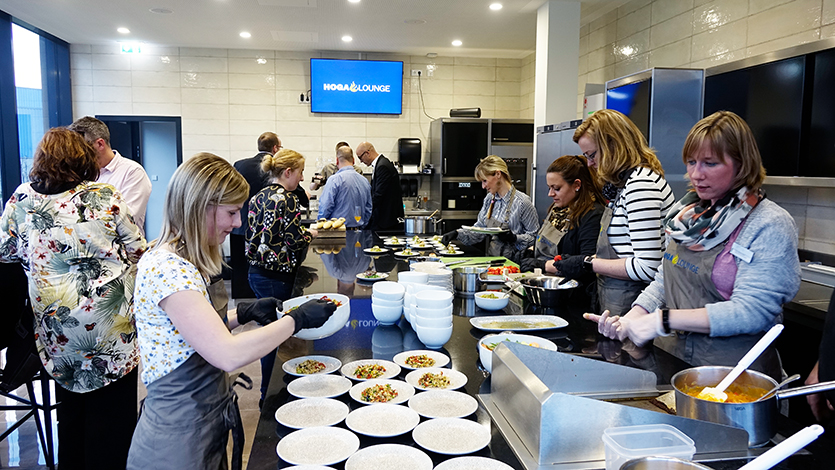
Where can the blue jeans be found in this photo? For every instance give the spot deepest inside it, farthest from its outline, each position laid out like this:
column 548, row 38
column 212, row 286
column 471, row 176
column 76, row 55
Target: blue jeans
column 266, row 287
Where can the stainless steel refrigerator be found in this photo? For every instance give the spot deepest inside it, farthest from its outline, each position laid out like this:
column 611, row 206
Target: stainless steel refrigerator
column 552, row 142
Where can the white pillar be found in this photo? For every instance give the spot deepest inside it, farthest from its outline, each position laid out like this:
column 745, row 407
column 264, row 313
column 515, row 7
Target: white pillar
column 557, row 61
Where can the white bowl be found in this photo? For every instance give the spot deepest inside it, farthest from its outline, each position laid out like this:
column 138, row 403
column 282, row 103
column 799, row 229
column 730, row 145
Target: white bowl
column 388, row 290
column 385, row 302
column 433, row 338
column 414, row 288
column 491, row 304
column 408, row 299
column 335, row 322
column 437, row 322
column 486, row 355
column 386, row 315
column 413, row 276
column 434, row 312
column 432, row 298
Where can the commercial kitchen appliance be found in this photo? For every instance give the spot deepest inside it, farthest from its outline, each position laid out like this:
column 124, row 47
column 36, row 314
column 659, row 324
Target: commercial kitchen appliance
column 552, row 142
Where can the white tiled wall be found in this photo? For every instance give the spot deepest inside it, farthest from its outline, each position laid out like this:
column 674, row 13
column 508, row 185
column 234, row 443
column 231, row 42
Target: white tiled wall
column 703, row 33
column 228, row 97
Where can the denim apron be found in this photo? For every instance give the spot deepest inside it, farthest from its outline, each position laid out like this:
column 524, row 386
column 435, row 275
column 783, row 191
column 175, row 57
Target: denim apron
column 187, row 416
column 497, row 247
column 688, row 285
column 614, row 295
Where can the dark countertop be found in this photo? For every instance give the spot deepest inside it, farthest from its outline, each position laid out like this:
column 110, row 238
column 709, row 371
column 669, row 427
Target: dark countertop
column 363, row 338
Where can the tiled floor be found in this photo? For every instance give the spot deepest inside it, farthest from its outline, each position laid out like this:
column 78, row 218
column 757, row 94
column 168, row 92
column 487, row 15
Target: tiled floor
column 21, row 450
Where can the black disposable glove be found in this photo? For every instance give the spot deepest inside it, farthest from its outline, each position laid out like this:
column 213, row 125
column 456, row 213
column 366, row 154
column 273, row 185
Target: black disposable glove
column 449, row 236
column 263, row 311
column 507, row 237
column 312, row 314
column 529, row 264
column 571, row 266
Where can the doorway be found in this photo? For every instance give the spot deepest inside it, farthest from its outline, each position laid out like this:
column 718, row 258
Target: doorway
column 156, row 143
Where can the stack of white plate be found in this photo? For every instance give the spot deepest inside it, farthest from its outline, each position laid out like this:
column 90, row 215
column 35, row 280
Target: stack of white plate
column 432, row 317
column 438, row 274
column 387, row 302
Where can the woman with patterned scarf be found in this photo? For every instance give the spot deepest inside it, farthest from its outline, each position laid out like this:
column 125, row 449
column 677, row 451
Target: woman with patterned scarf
column 573, row 222
column 731, row 261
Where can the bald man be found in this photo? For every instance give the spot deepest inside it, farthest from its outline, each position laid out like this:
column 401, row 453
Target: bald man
column 386, row 198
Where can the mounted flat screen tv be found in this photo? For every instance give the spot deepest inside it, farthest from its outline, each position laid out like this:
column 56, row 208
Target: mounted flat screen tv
column 356, row 86
column 770, row 99
column 633, row 100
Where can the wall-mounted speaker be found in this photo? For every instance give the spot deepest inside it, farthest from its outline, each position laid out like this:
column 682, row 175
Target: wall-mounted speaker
column 465, row 112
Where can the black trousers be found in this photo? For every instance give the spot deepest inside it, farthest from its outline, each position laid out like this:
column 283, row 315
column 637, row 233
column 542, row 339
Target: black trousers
column 95, row 428
column 240, row 268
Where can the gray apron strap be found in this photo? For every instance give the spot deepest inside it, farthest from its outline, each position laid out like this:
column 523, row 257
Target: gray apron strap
column 688, row 284
column 614, row 295
column 494, row 248
column 189, row 412
column 547, row 241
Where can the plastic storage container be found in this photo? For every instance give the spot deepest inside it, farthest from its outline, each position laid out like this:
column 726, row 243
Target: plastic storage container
column 632, row 442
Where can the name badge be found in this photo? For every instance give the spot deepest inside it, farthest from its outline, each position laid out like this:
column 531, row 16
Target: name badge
column 742, row 253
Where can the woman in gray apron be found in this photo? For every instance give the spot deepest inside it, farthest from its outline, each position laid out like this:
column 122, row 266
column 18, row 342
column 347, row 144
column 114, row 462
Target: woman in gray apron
column 731, row 262
column 184, row 328
column 573, row 220
column 631, row 237
column 504, row 208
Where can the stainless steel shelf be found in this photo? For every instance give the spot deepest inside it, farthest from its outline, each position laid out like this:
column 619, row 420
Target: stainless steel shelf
column 801, row 181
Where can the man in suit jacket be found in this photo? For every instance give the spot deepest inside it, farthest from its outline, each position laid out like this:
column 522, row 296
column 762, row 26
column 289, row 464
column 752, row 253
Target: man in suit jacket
column 250, row 168
column 386, row 198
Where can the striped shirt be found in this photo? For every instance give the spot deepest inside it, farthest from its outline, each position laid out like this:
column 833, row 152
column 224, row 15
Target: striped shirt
column 636, row 232
column 523, row 220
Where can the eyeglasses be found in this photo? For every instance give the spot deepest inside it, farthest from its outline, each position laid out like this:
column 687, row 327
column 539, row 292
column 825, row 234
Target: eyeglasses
column 362, row 154
column 590, row 156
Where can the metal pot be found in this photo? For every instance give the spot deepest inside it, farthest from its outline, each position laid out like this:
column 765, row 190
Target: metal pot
column 548, row 291
column 662, row 463
column 759, row 418
column 420, row 224
column 465, row 279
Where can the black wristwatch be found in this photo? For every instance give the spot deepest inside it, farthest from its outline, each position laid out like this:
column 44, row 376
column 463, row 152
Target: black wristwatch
column 665, row 320
column 587, row 263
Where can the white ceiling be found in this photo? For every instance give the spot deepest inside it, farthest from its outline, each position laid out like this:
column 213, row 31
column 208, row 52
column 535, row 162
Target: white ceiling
column 414, row 27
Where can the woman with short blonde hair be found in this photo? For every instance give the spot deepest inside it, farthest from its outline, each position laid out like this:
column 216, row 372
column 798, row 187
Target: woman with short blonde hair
column 508, row 211
column 638, row 198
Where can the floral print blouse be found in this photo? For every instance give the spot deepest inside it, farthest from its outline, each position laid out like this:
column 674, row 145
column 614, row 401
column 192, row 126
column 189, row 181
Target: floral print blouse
column 79, row 249
column 277, row 240
column 162, row 273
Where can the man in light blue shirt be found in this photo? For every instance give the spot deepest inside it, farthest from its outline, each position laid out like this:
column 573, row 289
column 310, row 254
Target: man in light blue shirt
column 346, row 191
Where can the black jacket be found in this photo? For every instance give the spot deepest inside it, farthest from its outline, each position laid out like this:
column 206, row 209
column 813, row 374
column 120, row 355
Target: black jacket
column 386, row 198
column 250, row 168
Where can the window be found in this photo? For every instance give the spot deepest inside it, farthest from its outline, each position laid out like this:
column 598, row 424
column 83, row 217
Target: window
column 31, row 119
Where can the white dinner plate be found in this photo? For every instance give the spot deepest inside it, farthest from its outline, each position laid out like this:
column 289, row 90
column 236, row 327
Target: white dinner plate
column 406, row 255
column 449, row 253
column 319, row 386
column 491, row 230
column 518, row 322
column 380, row 277
column 456, row 379
column 383, row 420
column 451, row 436
column 311, row 412
column 392, row 369
column 389, row 456
column 440, row 359
column 308, row 467
column 332, row 364
column 389, row 242
column 443, row 404
column 372, row 252
column 473, row 463
column 304, row 447
column 404, row 391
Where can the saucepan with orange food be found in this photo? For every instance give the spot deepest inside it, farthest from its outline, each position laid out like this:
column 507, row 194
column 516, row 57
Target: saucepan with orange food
column 747, row 407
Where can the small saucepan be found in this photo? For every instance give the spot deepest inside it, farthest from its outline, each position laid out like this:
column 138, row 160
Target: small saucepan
column 759, row 418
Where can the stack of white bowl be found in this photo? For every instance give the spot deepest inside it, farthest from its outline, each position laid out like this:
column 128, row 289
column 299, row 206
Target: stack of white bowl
column 439, row 274
column 432, row 317
column 387, row 301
